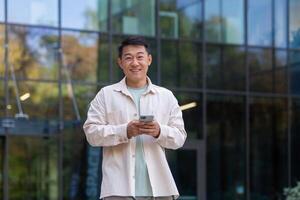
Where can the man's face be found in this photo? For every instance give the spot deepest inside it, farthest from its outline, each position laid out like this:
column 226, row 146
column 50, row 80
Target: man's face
column 134, row 62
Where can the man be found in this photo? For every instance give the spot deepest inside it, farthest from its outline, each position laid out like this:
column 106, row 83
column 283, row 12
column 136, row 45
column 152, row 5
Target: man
column 134, row 162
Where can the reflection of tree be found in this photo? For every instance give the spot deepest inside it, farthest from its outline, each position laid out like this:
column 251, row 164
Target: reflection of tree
column 268, row 125
column 25, row 57
column 225, row 137
column 266, row 76
column 190, row 62
column 91, row 19
column 74, row 159
column 80, row 58
column 33, row 168
column 190, row 22
column 20, row 55
column 226, row 67
column 213, row 29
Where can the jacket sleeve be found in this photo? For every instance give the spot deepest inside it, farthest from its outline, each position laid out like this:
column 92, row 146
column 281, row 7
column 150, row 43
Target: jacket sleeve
column 173, row 135
column 97, row 131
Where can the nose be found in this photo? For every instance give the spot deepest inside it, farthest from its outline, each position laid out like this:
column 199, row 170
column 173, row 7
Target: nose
column 134, row 62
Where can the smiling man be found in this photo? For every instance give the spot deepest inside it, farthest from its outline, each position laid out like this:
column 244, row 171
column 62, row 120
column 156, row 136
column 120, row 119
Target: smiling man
column 134, row 121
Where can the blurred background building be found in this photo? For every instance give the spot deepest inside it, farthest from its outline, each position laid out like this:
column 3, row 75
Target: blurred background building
column 234, row 66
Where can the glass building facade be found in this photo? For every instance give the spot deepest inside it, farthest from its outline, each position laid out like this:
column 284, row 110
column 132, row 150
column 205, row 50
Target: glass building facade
column 234, row 66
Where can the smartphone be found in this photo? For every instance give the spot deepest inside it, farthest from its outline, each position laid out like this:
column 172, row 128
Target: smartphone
column 146, row 118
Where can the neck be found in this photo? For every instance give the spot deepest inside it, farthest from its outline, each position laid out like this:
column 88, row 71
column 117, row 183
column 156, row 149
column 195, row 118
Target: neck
column 138, row 84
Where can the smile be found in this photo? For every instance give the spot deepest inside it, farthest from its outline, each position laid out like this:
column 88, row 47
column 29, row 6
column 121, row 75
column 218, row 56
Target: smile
column 135, row 70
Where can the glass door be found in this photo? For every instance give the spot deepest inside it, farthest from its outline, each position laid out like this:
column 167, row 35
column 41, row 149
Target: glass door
column 188, row 168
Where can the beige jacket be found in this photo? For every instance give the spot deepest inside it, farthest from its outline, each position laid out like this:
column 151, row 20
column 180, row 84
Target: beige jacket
column 106, row 124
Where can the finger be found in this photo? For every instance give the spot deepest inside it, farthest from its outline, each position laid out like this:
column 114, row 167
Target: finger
column 145, row 130
column 148, row 126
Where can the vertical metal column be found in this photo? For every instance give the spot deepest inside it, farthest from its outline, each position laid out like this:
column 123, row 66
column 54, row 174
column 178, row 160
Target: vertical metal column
column 204, row 105
column 289, row 144
column 61, row 114
column 247, row 107
column 158, row 41
column 109, row 31
column 6, row 143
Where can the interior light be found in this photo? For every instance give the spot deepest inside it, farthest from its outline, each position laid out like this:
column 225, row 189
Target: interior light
column 25, row 96
column 8, row 106
column 188, row 106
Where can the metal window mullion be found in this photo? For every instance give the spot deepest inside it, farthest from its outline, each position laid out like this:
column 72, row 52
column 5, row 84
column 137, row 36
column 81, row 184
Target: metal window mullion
column 204, row 104
column 158, row 41
column 289, row 142
column 273, row 53
column 6, row 138
column 61, row 106
column 110, row 41
column 247, row 106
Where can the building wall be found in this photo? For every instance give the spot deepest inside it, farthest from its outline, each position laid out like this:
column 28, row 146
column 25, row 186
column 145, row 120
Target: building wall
column 235, row 63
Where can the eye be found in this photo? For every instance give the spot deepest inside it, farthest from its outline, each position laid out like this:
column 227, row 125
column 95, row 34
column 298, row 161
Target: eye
column 128, row 58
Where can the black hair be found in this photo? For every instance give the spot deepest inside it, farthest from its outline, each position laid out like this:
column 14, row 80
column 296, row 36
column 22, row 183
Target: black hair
column 133, row 40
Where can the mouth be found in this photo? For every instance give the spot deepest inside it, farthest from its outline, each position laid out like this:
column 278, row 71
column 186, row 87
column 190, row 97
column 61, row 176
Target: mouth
column 135, row 70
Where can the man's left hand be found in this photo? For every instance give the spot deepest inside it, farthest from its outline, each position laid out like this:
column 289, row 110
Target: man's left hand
column 150, row 128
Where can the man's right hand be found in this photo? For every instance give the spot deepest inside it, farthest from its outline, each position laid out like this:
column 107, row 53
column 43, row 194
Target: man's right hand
column 133, row 129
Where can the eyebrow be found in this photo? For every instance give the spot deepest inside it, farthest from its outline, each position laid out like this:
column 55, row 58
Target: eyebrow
column 129, row 54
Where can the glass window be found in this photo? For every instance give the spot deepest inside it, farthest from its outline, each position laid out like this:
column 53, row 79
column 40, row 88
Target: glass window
column 91, row 15
column 225, row 21
column 133, row 17
column 33, row 167
column 213, row 21
column 191, row 106
column 81, row 56
column 76, row 100
column 190, row 65
column 35, row 12
column 264, row 77
column 260, row 69
column 268, row 137
column 226, row 147
column 2, row 102
column 33, row 52
column 260, row 22
column 225, row 67
column 35, row 109
column 180, row 18
column 183, row 164
column 233, row 12
column 169, row 63
column 280, row 72
column 2, row 11
column 181, row 64
column 1, row 165
column 117, row 71
column 280, row 23
column 295, row 139
column 294, row 73
column 2, row 41
column 81, row 165
column 103, row 72
column 294, row 24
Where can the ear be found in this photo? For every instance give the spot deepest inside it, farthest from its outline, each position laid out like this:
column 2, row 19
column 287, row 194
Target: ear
column 149, row 59
column 120, row 63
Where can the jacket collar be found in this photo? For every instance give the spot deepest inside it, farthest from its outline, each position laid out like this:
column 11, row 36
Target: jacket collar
column 122, row 87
